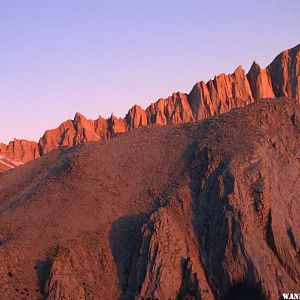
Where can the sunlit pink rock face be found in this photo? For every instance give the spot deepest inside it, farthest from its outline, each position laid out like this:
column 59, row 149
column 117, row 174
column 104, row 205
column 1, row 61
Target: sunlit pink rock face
column 220, row 95
column 20, row 150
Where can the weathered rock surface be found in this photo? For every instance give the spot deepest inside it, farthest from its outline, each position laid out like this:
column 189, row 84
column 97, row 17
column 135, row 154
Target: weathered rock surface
column 260, row 82
column 7, row 164
column 162, row 212
column 285, row 73
column 20, row 150
column 220, row 95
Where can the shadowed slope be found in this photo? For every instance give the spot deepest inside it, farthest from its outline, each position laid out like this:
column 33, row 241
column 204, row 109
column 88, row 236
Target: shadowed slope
column 187, row 212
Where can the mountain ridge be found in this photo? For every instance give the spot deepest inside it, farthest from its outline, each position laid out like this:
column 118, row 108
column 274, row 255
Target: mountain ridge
column 162, row 212
column 281, row 78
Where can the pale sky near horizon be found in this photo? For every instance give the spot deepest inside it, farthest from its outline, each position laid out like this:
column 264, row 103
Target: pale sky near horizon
column 97, row 57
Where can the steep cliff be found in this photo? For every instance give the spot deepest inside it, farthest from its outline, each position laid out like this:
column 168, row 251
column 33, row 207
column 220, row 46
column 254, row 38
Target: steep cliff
column 20, row 150
column 225, row 92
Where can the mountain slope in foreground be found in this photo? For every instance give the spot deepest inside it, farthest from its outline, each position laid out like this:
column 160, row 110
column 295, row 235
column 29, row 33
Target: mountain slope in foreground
column 173, row 212
column 220, row 95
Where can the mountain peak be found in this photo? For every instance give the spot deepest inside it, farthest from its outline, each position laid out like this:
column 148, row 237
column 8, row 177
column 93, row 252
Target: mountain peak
column 254, row 66
column 239, row 69
column 79, row 116
column 217, row 96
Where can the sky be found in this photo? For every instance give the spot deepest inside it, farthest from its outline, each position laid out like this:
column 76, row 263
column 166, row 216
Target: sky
column 97, row 57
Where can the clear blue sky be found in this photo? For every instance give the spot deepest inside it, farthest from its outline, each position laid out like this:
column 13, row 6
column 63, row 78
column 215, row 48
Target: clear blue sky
column 97, row 57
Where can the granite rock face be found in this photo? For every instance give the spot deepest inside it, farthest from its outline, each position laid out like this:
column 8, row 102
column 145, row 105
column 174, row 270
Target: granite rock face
column 20, row 150
column 260, row 82
column 220, row 95
column 196, row 211
column 285, row 73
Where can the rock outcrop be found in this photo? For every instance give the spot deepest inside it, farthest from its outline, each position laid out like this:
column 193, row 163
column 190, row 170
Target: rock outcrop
column 260, row 82
column 69, row 133
column 220, row 95
column 285, row 73
column 20, row 150
column 203, row 210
